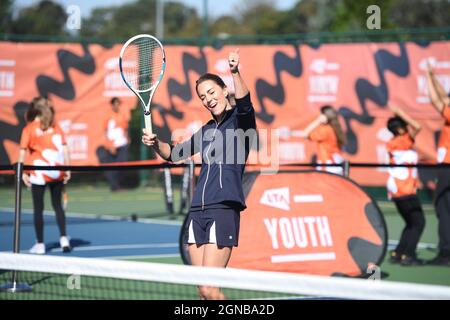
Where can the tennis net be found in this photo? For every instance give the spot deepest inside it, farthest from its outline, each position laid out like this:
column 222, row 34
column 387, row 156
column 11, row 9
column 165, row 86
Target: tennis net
column 58, row 278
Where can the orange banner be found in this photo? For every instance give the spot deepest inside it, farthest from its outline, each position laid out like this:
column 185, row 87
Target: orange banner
column 288, row 83
column 294, row 226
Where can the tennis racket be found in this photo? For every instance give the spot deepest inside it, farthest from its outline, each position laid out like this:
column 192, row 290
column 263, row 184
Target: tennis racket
column 142, row 63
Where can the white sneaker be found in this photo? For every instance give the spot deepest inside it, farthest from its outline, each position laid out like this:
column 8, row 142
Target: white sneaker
column 38, row 248
column 65, row 244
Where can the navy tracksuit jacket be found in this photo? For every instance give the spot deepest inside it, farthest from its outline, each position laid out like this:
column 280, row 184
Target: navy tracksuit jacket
column 224, row 147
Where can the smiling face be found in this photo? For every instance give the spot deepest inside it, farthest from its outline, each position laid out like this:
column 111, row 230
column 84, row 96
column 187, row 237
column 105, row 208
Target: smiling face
column 214, row 97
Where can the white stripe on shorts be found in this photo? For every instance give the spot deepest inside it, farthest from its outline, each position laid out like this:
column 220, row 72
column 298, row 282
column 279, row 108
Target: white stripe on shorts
column 212, row 233
column 191, row 238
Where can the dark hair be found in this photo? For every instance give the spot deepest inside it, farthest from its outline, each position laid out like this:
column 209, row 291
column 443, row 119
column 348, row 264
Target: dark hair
column 396, row 123
column 332, row 117
column 41, row 107
column 210, row 76
column 114, row 100
column 32, row 111
column 46, row 114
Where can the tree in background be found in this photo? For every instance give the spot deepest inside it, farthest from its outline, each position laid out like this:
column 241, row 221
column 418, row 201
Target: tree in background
column 311, row 16
column 252, row 17
column 351, row 15
column 44, row 18
column 6, row 16
column 420, row 13
column 139, row 17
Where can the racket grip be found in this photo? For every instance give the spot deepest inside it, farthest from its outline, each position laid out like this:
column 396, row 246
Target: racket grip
column 148, row 122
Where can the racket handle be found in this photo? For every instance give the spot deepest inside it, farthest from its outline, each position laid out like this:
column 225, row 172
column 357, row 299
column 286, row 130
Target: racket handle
column 148, row 123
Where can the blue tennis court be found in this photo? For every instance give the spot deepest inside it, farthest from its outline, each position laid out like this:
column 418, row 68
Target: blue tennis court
column 95, row 237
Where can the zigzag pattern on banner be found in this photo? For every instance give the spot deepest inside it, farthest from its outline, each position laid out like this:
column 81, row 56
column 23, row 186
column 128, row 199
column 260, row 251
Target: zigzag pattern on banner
column 46, row 85
column 66, row 60
column 385, row 61
column 264, row 89
column 183, row 91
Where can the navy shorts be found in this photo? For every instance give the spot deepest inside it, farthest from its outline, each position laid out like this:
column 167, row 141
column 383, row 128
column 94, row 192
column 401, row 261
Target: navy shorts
column 220, row 226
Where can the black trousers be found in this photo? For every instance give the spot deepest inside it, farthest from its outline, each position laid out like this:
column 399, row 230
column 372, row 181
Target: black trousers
column 442, row 206
column 37, row 192
column 113, row 176
column 411, row 211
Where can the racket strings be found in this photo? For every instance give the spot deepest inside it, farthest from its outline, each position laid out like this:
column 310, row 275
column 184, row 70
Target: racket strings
column 142, row 63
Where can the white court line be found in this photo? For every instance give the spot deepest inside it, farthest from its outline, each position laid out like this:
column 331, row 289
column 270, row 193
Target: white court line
column 151, row 256
column 101, row 217
column 124, row 246
column 420, row 245
column 116, row 246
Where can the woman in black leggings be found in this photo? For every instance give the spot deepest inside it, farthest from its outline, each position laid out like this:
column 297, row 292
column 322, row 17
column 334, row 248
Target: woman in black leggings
column 46, row 145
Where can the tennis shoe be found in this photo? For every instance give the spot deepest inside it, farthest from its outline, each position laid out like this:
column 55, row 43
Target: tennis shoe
column 411, row 261
column 65, row 244
column 394, row 257
column 38, row 248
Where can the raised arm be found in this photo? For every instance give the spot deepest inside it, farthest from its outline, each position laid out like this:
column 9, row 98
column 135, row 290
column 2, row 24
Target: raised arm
column 439, row 88
column 240, row 87
column 413, row 126
column 321, row 119
column 245, row 112
column 436, row 92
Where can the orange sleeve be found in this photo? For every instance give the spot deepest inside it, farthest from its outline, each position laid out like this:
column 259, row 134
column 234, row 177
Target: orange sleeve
column 390, row 145
column 446, row 113
column 25, row 138
column 403, row 142
column 318, row 134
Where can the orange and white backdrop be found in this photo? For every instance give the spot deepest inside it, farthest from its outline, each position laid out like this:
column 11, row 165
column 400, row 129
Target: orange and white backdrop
column 288, row 83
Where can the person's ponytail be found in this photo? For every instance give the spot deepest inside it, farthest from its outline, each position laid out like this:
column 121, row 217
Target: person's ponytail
column 333, row 120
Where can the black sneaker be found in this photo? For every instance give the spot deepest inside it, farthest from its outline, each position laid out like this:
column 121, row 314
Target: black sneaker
column 394, row 257
column 440, row 261
column 411, row 261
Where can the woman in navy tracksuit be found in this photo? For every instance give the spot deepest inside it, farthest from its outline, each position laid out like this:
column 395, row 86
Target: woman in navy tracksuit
column 224, row 143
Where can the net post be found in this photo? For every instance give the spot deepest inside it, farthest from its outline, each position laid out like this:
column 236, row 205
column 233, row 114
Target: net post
column 15, row 286
column 346, row 168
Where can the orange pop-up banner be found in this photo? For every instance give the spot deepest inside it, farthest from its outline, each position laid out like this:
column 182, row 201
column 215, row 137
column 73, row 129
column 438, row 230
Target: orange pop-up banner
column 309, row 222
column 288, row 84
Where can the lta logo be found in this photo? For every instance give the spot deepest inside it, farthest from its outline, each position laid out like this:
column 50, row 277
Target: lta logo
column 277, row 198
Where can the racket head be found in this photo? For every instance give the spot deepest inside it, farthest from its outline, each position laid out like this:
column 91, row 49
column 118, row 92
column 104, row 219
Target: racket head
column 142, row 63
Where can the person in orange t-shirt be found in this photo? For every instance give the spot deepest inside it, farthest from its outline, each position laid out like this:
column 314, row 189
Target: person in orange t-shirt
column 441, row 102
column 402, row 186
column 115, row 147
column 45, row 142
column 327, row 132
